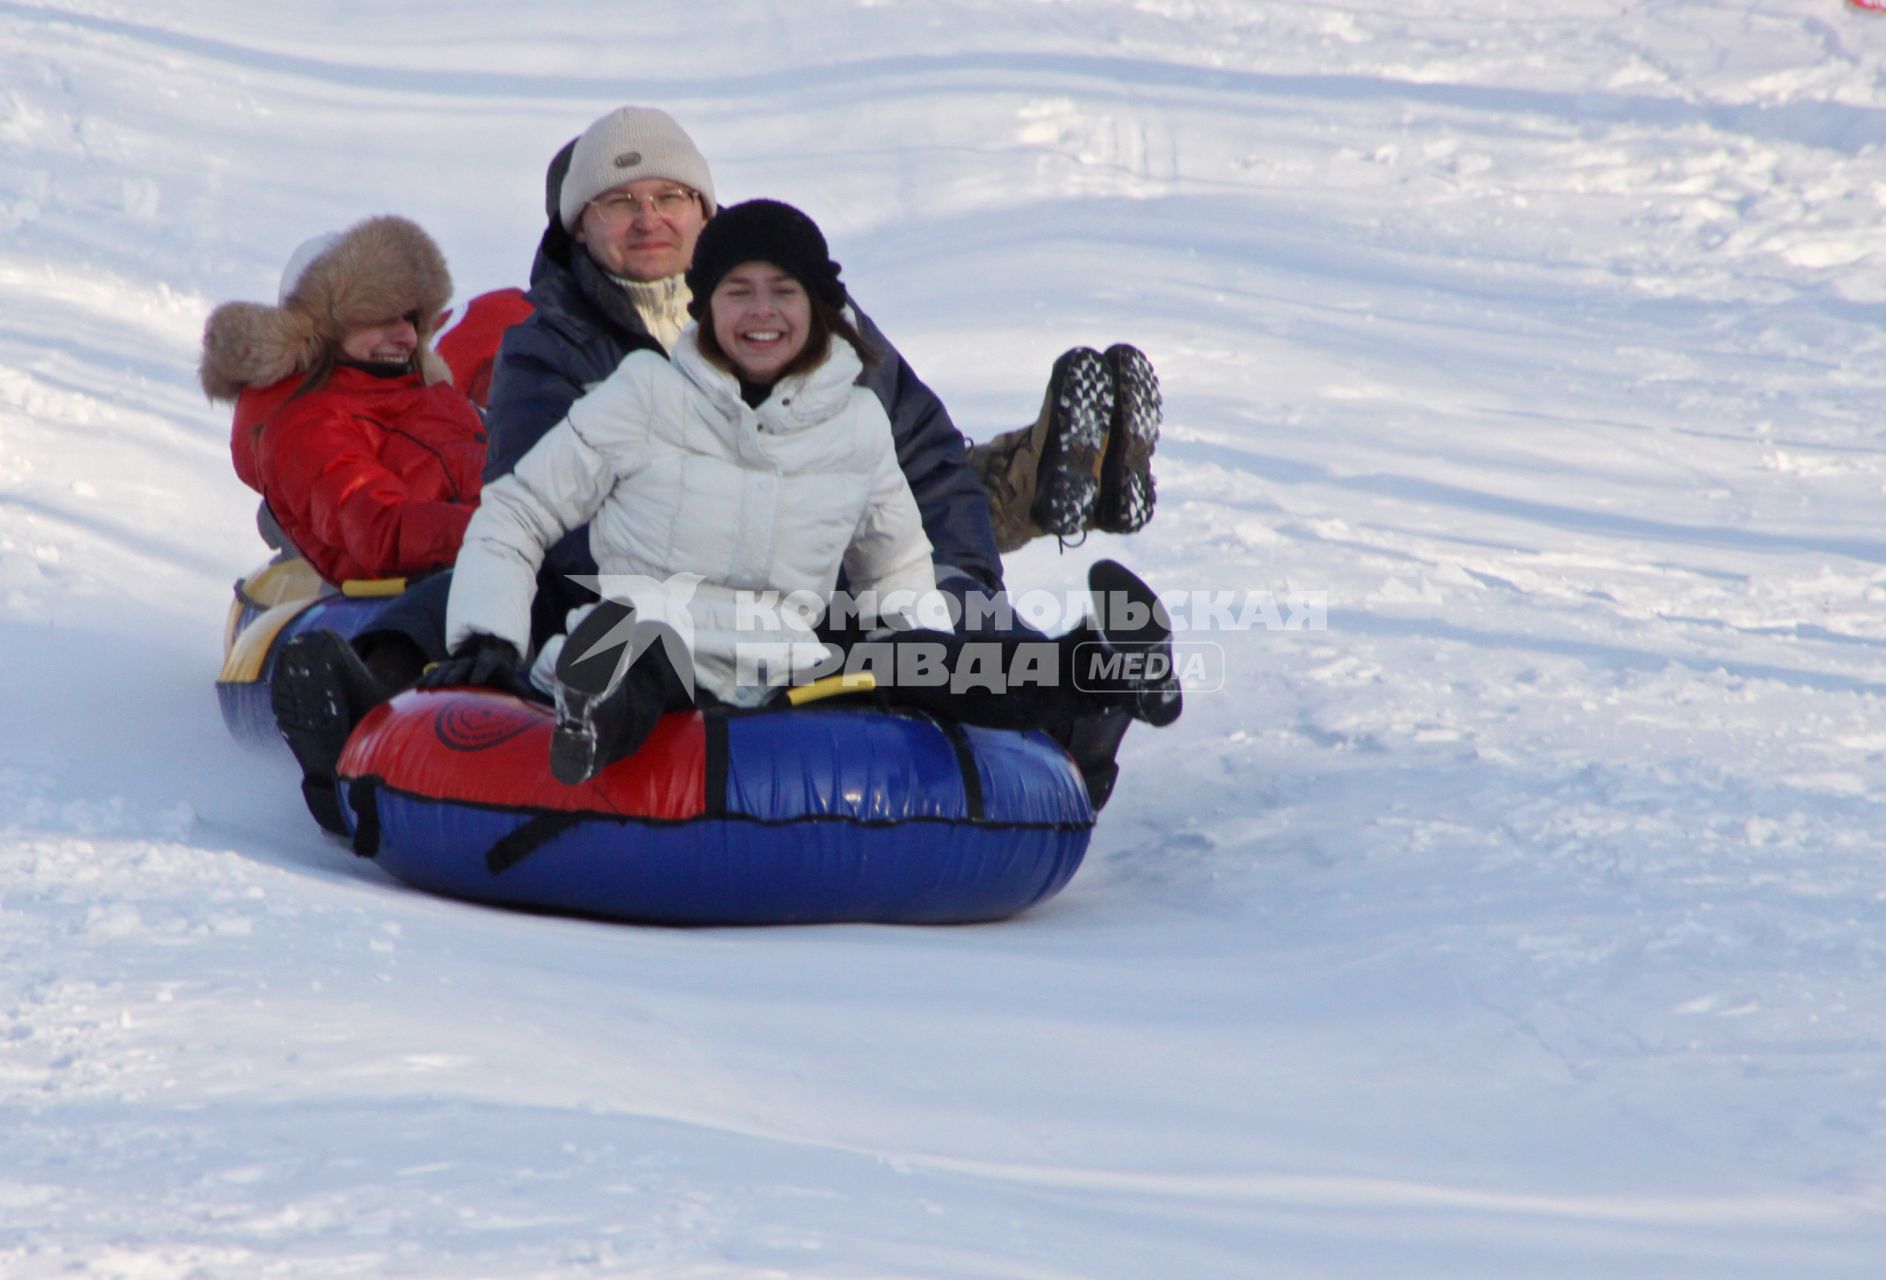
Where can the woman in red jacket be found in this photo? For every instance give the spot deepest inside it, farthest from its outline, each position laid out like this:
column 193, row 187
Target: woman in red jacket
column 346, row 422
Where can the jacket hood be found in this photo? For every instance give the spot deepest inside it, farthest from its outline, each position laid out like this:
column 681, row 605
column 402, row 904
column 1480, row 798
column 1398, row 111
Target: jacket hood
column 553, row 250
column 384, row 266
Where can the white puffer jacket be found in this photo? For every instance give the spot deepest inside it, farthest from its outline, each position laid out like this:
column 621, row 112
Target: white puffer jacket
column 677, row 475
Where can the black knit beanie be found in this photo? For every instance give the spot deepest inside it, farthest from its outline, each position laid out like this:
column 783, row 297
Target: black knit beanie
column 762, row 231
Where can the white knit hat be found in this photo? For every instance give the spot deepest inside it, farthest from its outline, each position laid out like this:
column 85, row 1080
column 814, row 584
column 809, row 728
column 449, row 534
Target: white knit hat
column 627, row 144
column 301, row 259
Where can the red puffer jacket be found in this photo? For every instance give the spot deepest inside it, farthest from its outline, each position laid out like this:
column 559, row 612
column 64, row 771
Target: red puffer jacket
column 369, row 477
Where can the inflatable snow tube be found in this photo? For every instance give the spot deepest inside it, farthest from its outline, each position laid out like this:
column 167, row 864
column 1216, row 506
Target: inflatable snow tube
column 280, row 600
column 820, row 814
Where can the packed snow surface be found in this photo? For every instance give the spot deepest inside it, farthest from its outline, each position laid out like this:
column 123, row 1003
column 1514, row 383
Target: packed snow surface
column 1527, row 918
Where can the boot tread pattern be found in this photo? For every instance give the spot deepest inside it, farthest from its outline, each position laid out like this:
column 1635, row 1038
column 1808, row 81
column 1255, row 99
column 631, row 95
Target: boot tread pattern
column 1081, row 410
column 1127, row 493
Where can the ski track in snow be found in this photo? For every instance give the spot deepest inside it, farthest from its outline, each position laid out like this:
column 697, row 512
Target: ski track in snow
column 1525, row 920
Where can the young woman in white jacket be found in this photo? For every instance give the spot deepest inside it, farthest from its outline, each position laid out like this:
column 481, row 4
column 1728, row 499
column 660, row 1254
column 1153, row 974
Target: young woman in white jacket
column 724, row 486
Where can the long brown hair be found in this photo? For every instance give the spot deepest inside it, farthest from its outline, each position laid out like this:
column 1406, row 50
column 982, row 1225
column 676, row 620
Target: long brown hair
column 827, row 322
column 319, row 370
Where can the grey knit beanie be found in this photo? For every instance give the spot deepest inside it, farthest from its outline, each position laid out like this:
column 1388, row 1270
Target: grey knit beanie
column 627, row 144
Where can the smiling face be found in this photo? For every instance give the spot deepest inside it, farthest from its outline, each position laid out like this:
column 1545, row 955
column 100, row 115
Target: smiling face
column 643, row 230
column 762, row 318
column 387, row 342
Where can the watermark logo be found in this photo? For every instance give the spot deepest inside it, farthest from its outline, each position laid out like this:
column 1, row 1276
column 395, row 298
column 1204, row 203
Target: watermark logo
column 1197, row 666
column 1044, row 611
column 656, row 613
column 1152, row 642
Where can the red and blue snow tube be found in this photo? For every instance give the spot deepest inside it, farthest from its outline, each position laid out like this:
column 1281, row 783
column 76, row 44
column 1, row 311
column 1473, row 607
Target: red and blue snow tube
column 818, row 814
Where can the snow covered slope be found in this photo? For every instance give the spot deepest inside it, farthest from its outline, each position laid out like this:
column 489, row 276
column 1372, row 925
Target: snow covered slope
column 1528, row 920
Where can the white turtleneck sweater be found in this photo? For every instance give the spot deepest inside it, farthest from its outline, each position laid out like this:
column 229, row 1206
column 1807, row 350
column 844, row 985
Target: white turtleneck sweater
column 662, row 304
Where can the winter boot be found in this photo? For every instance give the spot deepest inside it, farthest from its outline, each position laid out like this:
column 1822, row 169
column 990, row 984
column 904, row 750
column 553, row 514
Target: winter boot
column 1094, row 743
column 1134, row 635
column 1125, row 502
column 604, row 712
column 1078, row 411
column 594, row 660
column 1043, row 478
column 320, row 689
column 1006, row 467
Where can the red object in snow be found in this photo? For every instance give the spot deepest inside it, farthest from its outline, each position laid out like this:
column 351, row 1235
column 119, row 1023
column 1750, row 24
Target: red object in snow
column 470, row 347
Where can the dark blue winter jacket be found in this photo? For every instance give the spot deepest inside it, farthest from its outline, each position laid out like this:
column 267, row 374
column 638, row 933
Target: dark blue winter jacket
column 583, row 327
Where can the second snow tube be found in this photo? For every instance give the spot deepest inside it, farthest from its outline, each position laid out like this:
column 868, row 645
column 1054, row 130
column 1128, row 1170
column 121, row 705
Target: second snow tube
column 273, row 604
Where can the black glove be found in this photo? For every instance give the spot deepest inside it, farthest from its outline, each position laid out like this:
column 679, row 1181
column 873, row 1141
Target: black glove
column 483, row 660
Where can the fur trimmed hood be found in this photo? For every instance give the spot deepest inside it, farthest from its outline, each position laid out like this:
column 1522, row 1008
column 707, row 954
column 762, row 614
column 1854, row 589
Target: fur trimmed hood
column 384, row 266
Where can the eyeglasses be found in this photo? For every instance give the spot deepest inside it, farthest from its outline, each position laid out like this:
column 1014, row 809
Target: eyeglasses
column 620, row 206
